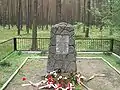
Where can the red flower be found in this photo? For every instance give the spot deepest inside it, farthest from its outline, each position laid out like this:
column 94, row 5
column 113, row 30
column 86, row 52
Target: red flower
column 24, row 78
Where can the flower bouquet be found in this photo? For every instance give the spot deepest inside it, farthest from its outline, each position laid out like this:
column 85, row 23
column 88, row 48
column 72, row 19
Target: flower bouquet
column 61, row 81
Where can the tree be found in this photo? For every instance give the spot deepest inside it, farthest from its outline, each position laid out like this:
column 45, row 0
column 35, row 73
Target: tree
column 84, row 16
column 88, row 19
column 19, row 16
column 8, row 9
column 47, row 21
column 42, row 15
column 4, row 13
column 79, row 10
column 34, row 31
column 103, row 14
column 28, row 16
column 58, row 11
column 114, row 14
column 111, row 30
column 11, row 13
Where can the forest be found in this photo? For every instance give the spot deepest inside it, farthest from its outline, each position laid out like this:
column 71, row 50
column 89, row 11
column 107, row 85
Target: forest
column 99, row 13
column 28, row 39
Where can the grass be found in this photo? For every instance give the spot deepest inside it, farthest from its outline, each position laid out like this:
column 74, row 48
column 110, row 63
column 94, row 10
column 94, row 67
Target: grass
column 95, row 32
column 9, row 65
column 13, row 62
column 6, row 48
column 110, row 58
column 6, row 34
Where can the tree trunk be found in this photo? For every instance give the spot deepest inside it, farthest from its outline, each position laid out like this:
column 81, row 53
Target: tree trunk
column 34, row 31
column 4, row 13
column 88, row 21
column 1, row 14
column 28, row 16
column 47, row 15
column 8, row 4
column 94, row 16
column 42, row 15
column 19, row 16
column 11, row 13
column 111, row 30
column 58, row 11
column 84, row 20
column 79, row 10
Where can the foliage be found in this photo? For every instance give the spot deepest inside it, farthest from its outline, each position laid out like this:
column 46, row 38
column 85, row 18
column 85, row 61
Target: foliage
column 108, row 14
column 43, row 52
column 107, row 53
column 118, row 62
column 5, row 64
column 78, row 25
column 19, row 52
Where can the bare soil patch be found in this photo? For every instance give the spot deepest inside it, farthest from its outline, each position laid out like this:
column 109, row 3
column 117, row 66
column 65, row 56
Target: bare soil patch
column 35, row 68
column 88, row 67
column 32, row 70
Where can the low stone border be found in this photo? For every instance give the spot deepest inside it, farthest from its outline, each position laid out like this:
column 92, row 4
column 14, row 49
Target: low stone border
column 116, row 55
column 44, row 57
column 111, row 66
column 13, row 75
column 31, row 52
column 7, row 56
column 91, row 52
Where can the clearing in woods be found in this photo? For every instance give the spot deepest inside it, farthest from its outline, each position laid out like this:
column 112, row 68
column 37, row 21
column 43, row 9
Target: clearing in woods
column 35, row 68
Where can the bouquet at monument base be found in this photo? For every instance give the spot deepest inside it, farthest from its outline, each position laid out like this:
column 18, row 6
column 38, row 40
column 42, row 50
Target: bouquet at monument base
column 59, row 81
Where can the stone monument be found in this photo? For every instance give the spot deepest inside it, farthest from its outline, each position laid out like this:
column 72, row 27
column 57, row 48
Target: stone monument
column 62, row 53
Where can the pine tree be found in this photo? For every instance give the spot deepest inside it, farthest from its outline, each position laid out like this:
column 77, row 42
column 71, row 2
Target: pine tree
column 88, row 19
column 34, row 31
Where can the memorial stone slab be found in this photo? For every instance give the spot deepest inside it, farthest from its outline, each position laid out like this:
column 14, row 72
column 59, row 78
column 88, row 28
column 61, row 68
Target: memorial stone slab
column 62, row 53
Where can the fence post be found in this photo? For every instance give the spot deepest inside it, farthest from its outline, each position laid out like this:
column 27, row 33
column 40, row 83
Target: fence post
column 15, row 44
column 111, row 45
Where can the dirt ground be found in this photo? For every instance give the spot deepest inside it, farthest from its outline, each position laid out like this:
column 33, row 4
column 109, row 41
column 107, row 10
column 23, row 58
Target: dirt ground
column 32, row 70
column 87, row 67
column 35, row 68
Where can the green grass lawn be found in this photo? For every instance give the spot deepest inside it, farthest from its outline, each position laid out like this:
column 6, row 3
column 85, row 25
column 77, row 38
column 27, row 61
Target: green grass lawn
column 13, row 62
column 6, row 34
column 10, row 64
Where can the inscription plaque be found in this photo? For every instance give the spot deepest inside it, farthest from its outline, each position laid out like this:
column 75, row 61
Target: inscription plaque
column 62, row 44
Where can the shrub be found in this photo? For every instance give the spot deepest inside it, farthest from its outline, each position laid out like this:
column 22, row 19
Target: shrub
column 19, row 52
column 107, row 53
column 5, row 64
column 118, row 62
